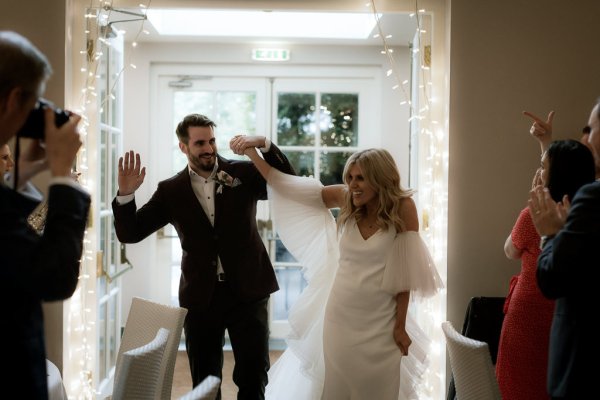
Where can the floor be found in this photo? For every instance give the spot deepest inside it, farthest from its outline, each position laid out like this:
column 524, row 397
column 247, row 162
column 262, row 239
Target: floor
column 182, row 381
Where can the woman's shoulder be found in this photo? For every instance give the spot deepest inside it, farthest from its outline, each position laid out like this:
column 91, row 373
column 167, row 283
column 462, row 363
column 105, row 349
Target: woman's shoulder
column 408, row 214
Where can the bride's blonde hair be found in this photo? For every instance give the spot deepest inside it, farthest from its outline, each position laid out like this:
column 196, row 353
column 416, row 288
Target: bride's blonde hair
column 381, row 173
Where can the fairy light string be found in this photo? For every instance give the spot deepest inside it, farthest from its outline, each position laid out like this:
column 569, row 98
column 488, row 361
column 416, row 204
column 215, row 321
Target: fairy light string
column 431, row 186
column 81, row 330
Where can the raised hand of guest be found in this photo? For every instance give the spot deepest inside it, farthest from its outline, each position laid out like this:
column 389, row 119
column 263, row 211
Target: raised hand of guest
column 537, row 178
column 131, row 173
column 541, row 130
column 547, row 215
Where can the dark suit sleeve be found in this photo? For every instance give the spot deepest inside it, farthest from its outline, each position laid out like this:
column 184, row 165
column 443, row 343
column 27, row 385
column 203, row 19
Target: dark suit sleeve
column 278, row 160
column 569, row 262
column 47, row 267
column 132, row 225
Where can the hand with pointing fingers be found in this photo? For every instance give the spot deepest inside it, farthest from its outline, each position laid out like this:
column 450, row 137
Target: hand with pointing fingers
column 540, row 129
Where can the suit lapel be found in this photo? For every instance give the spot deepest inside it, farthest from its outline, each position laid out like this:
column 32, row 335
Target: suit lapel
column 219, row 197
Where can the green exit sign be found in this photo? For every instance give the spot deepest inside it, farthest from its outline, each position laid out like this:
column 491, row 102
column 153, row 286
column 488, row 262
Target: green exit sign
column 271, row 54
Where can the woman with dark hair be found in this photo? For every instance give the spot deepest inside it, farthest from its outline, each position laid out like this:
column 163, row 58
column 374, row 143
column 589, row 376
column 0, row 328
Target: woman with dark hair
column 522, row 362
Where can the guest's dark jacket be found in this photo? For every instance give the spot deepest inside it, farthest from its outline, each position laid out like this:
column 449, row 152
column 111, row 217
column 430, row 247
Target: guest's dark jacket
column 569, row 271
column 33, row 269
column 234, row 237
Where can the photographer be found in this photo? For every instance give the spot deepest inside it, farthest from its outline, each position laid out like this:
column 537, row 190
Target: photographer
column 35, row 268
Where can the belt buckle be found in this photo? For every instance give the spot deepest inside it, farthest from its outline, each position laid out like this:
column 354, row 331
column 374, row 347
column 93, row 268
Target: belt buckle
column 221, row 277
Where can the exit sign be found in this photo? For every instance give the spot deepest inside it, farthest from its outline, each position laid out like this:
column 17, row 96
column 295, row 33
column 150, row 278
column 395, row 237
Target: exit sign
column 271, row 54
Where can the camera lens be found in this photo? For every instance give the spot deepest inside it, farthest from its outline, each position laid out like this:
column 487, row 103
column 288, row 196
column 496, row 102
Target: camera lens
column 34, row 126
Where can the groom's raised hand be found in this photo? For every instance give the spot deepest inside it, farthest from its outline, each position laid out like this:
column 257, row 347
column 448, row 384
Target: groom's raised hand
column 131, row 173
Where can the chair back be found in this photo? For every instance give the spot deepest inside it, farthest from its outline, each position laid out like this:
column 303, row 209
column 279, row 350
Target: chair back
column 472, row 368
column 144, row 320
column 138, row 376
column 205, row 390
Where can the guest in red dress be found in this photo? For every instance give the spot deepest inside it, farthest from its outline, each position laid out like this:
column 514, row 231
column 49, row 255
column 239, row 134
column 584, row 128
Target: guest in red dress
column 522, row 362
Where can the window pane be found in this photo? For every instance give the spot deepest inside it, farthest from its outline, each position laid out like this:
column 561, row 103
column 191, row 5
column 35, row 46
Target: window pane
column 282, row 254
column 112, row 330
column 102, row 326
column 115, row 61
column 236, row 114
column 102, row 86
column 291, row 284
column 114, row 156
column 332, row 167
column 101, row 288
column 302, row 161
column 114, row 249
column 339, row 119
column 296, row 119
column 103, row 169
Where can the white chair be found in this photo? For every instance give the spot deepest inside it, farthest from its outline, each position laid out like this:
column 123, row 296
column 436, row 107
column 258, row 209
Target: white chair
column 138, row 376
column 206, row 390
column 144, row 320
column 472, row 368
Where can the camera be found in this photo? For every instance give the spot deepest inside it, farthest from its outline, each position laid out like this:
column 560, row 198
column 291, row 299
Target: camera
column 34, row 126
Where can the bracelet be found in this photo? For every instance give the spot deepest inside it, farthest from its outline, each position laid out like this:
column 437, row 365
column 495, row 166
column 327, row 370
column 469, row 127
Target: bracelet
column 544, row 239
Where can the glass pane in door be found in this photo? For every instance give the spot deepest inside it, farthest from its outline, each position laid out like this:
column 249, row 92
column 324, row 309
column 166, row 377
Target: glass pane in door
column 339, row 119
column 332, row 166
column 302, row 161
column 296, row 119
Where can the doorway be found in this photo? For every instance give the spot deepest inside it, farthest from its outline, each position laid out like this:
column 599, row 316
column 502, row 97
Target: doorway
column 317, row 122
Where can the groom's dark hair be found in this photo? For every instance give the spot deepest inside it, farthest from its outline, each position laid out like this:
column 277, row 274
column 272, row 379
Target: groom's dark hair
column 192, row 120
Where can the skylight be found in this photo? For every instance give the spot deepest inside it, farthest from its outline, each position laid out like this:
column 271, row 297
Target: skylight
column 272, row 24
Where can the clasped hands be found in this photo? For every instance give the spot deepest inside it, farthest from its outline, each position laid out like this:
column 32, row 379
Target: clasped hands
column 241, row 144
column 547, row 215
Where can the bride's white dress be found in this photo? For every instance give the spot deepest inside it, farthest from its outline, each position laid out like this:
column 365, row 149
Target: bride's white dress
column 342, row 345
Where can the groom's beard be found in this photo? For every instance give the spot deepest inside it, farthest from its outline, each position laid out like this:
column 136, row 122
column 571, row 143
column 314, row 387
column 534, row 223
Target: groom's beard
column 203, row 162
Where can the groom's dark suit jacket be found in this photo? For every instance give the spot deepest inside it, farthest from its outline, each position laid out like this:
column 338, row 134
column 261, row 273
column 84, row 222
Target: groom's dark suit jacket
column 234, row 237
column 569, row 271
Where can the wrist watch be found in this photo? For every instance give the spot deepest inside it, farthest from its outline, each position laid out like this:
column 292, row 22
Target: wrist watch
column 544, row 239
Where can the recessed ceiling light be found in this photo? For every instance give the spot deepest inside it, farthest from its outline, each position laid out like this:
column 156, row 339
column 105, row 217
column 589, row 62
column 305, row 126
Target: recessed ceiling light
column 272, row 24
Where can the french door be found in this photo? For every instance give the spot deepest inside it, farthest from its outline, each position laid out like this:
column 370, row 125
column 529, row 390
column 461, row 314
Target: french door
column 316, row 122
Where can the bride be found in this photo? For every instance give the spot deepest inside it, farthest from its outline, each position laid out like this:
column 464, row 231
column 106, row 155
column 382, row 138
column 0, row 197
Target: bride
column 352, row 333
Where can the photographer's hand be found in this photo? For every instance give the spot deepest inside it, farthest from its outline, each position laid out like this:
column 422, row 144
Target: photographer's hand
column 62, row 144
column 32, row 161
column 131, row 173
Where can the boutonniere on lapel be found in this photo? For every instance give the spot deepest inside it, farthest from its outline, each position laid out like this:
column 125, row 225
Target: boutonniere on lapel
column 224, row 179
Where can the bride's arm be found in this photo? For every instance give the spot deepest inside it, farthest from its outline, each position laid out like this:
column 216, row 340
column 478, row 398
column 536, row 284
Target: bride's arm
column 333, row 195
column 400, row 336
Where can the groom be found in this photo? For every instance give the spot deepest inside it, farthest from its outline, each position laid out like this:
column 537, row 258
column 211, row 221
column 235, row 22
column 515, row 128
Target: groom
column 226, row 273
